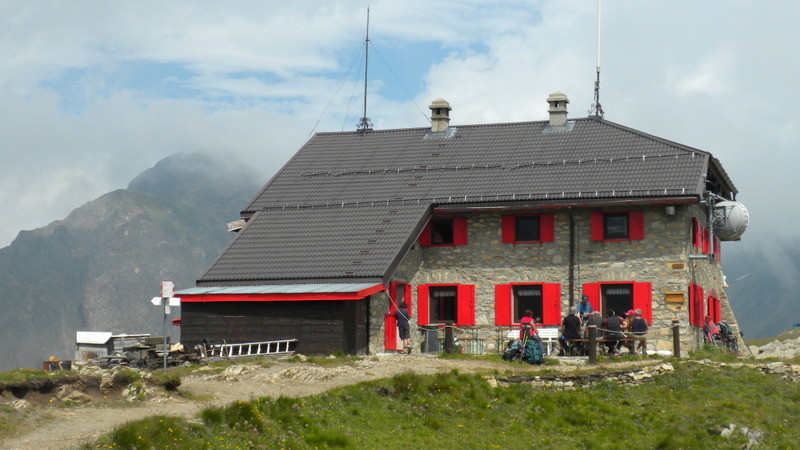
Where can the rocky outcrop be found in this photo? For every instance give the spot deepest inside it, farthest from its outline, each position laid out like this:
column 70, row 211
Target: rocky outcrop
column 781, row 348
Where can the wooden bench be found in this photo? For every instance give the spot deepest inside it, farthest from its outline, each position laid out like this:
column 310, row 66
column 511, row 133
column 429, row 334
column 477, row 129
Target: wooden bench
column 548, row 335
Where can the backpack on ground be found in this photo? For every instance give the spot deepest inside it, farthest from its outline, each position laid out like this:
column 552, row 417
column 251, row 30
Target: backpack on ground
column 725, row 331
column 533, row 353
column 512, row 350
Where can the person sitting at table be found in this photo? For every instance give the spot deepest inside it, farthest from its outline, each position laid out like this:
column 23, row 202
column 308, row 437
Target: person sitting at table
column 570, row 329
column 612, row 328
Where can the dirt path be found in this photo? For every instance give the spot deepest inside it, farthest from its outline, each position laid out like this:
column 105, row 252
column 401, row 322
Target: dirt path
column 71, row 427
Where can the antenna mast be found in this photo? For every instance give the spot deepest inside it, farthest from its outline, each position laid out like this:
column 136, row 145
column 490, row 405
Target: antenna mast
column 596, row 107
column 365, row 123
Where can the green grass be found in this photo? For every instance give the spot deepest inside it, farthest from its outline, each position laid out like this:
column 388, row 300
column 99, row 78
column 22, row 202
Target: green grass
column 22, row 375
column 684, row 409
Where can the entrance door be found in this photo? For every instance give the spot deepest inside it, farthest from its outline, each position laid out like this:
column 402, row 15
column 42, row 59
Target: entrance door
column 398, row 292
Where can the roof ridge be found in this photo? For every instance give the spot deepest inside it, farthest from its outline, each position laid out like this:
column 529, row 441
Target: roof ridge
column 649, row 136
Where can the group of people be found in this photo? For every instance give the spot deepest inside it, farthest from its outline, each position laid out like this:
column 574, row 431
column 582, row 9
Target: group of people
column 612, row 329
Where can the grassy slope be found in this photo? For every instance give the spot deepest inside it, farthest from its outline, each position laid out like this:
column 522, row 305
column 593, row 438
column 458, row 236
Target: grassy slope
column 686, row 409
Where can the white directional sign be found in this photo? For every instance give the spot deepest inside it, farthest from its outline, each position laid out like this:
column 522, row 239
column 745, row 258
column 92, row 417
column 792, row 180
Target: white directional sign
column 173, row 301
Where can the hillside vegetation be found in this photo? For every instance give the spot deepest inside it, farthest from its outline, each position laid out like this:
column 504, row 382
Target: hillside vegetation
column 694, row 406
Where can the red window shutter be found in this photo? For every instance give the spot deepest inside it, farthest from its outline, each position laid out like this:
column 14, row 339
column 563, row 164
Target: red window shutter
column 551, row 304
column 717, row 249
column 636, row 225
column 643, row 299
column 598, row 231
column 547, row 231
column 706, row 239
column 423, row 300
column 460, row 231
column 717, row 310
column 407, row 299
column 700, row 305
column 466, row 304
column 425, row 237
column 691, row 303
column 502, row 304
column 508, row 229
column 593, row 291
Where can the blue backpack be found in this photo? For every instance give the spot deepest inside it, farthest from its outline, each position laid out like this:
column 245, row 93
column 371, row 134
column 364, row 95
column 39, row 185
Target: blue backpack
column 533, row 353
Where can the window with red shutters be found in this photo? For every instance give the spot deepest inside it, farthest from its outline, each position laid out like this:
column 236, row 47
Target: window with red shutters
column 446, row 303
column 527, row 228
column 543, row 299
column 617, row 225
column 706, row 241
column 444, row 232
column 621, row 296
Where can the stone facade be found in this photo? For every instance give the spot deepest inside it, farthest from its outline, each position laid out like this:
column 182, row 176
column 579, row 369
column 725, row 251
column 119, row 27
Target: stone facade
column 661, row 258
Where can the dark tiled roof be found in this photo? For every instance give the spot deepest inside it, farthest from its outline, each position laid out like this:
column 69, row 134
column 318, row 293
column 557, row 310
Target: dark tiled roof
column 484, row 160
column 344, row 175
column 344, row 243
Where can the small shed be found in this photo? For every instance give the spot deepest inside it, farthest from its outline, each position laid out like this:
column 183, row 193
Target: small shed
column 92, row 344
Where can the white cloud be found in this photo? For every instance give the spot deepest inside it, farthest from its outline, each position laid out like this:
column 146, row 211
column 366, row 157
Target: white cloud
column 93, row 92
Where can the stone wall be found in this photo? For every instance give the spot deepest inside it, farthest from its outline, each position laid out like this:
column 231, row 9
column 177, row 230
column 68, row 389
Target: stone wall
column 661, row 258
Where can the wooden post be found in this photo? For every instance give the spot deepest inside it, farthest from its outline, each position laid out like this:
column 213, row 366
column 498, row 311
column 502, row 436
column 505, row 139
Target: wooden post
column 591, row 330
column 676, row 338
column 449, row 345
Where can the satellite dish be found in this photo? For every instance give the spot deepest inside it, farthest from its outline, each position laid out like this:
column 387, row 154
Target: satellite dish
column 730, row 220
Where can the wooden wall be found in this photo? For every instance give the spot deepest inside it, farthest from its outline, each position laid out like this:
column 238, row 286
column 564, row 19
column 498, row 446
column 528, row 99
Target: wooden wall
column 319, row 326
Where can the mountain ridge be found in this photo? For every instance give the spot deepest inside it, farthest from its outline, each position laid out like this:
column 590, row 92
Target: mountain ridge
column 97, row 268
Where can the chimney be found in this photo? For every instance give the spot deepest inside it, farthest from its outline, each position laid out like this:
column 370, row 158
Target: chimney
column 440, row 115
column 558, row 109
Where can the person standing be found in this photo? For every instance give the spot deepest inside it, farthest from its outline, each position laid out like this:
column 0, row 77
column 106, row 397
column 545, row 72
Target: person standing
column 584, row 307
column 526, row 323
column 402, row 314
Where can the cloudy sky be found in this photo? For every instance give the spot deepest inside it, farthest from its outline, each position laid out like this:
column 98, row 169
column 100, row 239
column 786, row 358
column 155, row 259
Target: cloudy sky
column 94, row 92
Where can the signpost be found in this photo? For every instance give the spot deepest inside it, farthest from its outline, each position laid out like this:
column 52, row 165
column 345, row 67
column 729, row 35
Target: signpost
column 166, row 300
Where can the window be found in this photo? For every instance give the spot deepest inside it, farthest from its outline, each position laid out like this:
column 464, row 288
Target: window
column 617, row 225
column 446, row 303
column 511, row 300
column 621, row 297
column 618, row 297
column 444, row 232
column 527, row 297
column 443, row 301
column 527, row 228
